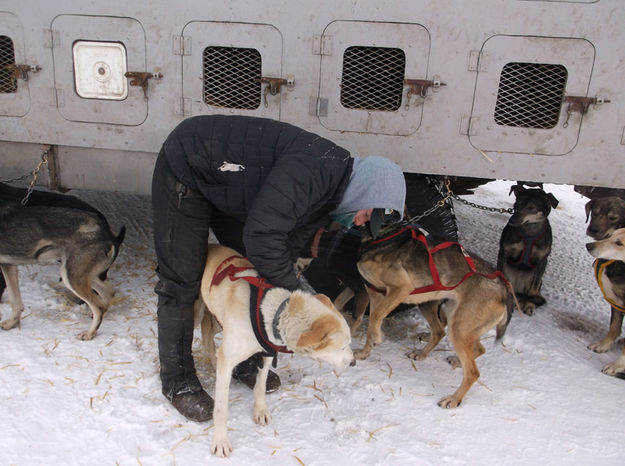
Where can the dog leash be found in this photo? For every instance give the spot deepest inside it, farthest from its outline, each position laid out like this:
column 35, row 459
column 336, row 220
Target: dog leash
column 257, row 290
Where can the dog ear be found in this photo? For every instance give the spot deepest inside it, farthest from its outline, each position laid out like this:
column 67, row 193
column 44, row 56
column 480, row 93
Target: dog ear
column 552, row 199
column 516, row 189
column 588, row 208
column 324, row 299
column 317, row 337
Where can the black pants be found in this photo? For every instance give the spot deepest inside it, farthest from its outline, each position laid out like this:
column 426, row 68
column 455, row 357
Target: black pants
column 182, row 218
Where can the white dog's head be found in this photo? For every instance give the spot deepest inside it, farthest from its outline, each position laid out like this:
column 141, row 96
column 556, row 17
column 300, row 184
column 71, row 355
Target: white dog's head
column 613, row 247
column 312, row 326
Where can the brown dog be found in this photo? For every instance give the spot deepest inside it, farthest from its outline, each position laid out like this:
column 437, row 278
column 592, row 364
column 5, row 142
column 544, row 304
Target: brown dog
column 606, row 216
column 297, row 321
column 469, row 300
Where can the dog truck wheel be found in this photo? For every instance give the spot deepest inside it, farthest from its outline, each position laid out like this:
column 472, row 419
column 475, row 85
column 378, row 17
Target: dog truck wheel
column 422, row 193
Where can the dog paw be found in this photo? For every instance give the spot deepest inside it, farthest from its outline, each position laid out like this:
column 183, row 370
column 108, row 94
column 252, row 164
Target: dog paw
column 362, row 353
column 9, row 324
column 528, row 308
column 454, row 362
column 601, row 346
column 417, row 355
column 262, row 417
column 614, row 367
column 449, row 402
column 221, row 447
column 85, row 336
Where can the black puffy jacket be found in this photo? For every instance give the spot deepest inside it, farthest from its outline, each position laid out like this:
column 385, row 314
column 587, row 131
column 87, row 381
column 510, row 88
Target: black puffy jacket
column 280, row 180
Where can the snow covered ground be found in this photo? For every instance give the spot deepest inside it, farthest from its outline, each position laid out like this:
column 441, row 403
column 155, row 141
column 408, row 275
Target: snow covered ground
column 541, row 398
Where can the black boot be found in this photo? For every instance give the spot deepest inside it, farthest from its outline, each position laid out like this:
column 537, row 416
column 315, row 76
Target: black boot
column 180, row 383
column 246, row 371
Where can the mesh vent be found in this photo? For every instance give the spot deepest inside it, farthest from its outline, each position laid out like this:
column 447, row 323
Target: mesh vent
column 7, row 57
column 373, row 78
column 232, row 77
column 530, row 95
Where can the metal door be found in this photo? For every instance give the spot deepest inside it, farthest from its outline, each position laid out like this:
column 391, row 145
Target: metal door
column 522, row 83
column 91, row 56
column 229, row 68
column 365, row 67
column 14, row 94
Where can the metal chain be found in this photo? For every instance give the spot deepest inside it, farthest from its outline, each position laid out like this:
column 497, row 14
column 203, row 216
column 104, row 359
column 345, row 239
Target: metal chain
column 34, row 174
column 449, row 194
column 500, row 210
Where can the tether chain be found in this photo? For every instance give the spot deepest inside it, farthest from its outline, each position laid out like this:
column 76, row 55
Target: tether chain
column 449, row 194
column 34, row 174
column 500, row 210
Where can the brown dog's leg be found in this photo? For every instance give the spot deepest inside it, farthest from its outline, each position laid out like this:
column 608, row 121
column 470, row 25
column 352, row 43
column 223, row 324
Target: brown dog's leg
column 616, row 366
column 377, row 312
column 467, row 348
column 616, row 322
column 82, row 287
column 17, row 306
column 361, row 301
column 437, row 330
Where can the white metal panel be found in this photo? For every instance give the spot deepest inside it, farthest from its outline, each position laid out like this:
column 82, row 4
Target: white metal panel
column 127, row 31
column 198, row 35
column 413, row 39
column 14, row 103
column 99, row 70
column 576, row 55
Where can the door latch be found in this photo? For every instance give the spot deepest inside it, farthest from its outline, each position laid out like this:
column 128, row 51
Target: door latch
column 580, row 104
column 420, row 87
column 21, row 71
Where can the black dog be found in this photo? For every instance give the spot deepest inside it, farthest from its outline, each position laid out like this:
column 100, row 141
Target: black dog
column 15, row 195
column 525, row 245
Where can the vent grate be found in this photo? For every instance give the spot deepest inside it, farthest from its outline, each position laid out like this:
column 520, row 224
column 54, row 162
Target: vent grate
column 8, row 83
column 530, row 95
column 373, row 78
column 232, row 77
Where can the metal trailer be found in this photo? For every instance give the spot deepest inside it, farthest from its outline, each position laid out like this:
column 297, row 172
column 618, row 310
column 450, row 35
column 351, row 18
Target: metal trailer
column 509, row 89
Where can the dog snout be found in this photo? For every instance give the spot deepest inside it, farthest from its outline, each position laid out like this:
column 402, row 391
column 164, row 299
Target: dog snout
column 590, row 247
column 353, row 363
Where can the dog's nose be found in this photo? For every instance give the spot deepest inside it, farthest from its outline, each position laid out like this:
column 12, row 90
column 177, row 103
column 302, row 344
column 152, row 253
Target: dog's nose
column 353, row 363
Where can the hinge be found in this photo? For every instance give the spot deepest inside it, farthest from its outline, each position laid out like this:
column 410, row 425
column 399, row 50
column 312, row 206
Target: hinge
column 182, row 106
column 478, row 61
column 51, row 38
column 318, row 107
column 322, row 44
column 182, row 45
column 623, row 137
column 469, row 125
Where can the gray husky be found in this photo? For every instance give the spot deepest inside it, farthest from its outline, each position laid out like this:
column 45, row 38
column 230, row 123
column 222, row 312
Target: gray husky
column 81, row 241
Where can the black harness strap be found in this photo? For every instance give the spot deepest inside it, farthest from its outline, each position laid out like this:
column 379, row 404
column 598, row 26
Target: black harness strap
column 257, row 291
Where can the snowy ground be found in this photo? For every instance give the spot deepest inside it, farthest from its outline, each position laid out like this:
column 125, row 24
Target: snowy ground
column 541, row 398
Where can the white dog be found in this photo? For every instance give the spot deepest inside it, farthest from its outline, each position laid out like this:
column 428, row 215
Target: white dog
column 297, row 322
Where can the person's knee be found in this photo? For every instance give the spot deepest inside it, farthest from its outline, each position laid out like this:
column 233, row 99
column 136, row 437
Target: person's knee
column 181, row 295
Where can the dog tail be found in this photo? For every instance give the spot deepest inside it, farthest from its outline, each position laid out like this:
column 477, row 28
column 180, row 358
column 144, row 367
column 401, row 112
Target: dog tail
column 505, row 320
column 119, row 240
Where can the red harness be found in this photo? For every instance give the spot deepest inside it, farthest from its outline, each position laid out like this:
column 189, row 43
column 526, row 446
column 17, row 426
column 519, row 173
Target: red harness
column 259, row 285
column 437, row 285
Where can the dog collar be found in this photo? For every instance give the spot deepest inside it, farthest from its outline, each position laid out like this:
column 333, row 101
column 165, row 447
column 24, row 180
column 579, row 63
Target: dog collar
column 276, row 319
column 599, row 266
